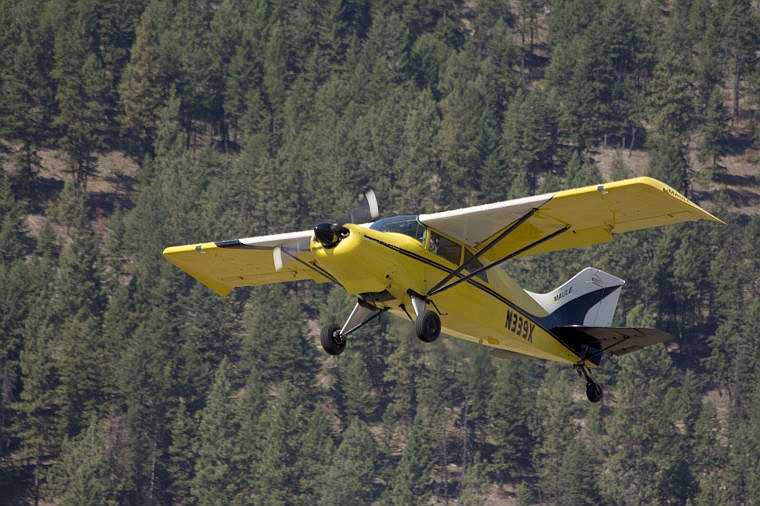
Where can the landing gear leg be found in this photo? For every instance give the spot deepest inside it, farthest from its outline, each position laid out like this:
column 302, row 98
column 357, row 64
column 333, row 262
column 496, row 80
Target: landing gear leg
column 593, row 389
column 333, row 338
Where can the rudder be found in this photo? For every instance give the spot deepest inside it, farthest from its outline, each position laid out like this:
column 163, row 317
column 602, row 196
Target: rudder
column 589, row 298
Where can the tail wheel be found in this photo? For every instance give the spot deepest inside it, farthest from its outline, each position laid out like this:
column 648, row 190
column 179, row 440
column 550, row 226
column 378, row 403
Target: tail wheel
column 594, row 391
column 331, row 340
column 428, row 326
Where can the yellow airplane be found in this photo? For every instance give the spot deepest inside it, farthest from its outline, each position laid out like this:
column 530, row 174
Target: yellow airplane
column 438, row 270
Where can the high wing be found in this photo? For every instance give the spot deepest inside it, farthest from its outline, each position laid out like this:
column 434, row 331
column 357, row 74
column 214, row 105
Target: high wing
column 225, row 265
column 566, row 219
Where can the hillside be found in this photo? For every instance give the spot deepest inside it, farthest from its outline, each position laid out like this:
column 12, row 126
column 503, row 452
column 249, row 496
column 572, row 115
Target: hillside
column 127, row 127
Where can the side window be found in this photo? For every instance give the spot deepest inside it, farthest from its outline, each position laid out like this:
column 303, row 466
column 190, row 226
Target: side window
column 446, row 248
column 473, row 266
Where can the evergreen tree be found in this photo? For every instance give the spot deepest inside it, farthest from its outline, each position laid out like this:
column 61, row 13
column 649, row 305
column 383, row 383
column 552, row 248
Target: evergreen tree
column 275, row 343
column 646, row 452
column 355, row 388
column 530, row 137
column 181, row 456
column 714, row 129
column 214, row 481
column 410, row 483
column 143, row 88
column 81, row 477
column 277, row 472
column 80, row 94
column 508, row 416
column 350, row 474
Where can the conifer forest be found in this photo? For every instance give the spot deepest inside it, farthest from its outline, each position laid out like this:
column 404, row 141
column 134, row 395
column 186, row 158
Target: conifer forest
column 126, row 127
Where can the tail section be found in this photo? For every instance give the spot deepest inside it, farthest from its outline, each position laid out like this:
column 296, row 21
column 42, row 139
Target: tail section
column 588, row 299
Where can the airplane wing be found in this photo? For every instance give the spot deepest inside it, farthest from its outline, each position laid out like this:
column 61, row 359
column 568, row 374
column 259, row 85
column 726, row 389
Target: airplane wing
column 566, row 219
column 225, row 265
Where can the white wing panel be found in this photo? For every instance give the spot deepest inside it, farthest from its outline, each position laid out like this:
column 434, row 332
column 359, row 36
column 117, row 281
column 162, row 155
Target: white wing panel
column 473, row 225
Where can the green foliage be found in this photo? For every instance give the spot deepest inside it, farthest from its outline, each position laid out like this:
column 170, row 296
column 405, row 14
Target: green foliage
column 349, row 478
column 123, row 381
column 410, row 482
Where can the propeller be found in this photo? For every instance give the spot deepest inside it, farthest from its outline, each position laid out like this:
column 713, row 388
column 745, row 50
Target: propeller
column 330, row 234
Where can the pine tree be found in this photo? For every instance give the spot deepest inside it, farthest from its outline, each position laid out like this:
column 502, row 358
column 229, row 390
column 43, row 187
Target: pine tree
column 646, row 453
column 38, row 401
column 181, row 456
column 355, row 388
column 351, row 471
column 411, row 481
column 577, row 476
column 144, row 88
column 275, row 343
column 27, row 92
column 316, row 453
column 276, row 470
column 80, row 478
column 714, row 129
column 80, row 94
column 216, row 477
column 554, row 407
column 12, row 227
column 529, row 140
column 508, row 416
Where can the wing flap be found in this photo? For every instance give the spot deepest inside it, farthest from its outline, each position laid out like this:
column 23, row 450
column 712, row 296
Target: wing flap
column 613, row 340
column 225, row 265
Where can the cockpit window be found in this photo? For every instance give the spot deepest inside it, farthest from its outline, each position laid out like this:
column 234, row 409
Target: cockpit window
column 407, row 225
column 445, row 248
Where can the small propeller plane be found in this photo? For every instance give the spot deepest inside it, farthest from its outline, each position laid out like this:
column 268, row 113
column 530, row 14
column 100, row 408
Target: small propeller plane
column 439, row 270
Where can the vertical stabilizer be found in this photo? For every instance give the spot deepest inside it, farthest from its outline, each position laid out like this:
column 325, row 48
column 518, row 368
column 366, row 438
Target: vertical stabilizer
column 589, row 298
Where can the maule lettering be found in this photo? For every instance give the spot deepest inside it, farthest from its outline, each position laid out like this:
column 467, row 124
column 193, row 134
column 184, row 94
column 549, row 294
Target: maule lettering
column 519, row 326
column 564, row 293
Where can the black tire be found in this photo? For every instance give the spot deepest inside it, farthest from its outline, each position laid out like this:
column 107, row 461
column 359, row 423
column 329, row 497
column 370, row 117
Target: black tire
column 331, row 340
column 428, row 326
column 594, row 391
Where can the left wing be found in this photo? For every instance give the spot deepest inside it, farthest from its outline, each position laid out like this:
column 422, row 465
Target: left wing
column 225, row 265
column 567, row 219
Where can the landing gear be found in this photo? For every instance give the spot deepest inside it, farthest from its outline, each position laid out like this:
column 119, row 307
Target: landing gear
column 593, row 389
column 332, row 341
column 428, row 326
column 333, row 338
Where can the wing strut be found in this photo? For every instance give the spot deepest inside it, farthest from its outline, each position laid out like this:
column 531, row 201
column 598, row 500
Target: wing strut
column 315, row 268
column 474, row 273
column 480, row 253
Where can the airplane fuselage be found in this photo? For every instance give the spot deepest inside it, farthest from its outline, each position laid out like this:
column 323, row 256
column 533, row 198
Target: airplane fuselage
column 386, row 269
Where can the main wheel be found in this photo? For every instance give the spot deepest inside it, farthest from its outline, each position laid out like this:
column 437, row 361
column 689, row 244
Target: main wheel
column 428, row 326
column 594, row 391
column 331, row 340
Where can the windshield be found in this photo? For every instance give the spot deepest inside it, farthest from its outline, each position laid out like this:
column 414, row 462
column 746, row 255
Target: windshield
column 407, row 225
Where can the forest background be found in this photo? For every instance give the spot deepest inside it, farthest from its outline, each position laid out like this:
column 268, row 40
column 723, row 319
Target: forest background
column 129, row 126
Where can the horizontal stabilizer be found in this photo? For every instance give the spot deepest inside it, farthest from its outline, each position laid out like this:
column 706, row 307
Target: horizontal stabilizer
column 613, row 340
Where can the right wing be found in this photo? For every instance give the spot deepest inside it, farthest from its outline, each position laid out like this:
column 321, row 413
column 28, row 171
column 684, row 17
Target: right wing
column 253, row 261
column 567, row 219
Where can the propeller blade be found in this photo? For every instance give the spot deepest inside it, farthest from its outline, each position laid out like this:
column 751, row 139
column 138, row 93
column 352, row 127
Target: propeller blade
column 330, row 234
column 365, row 211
